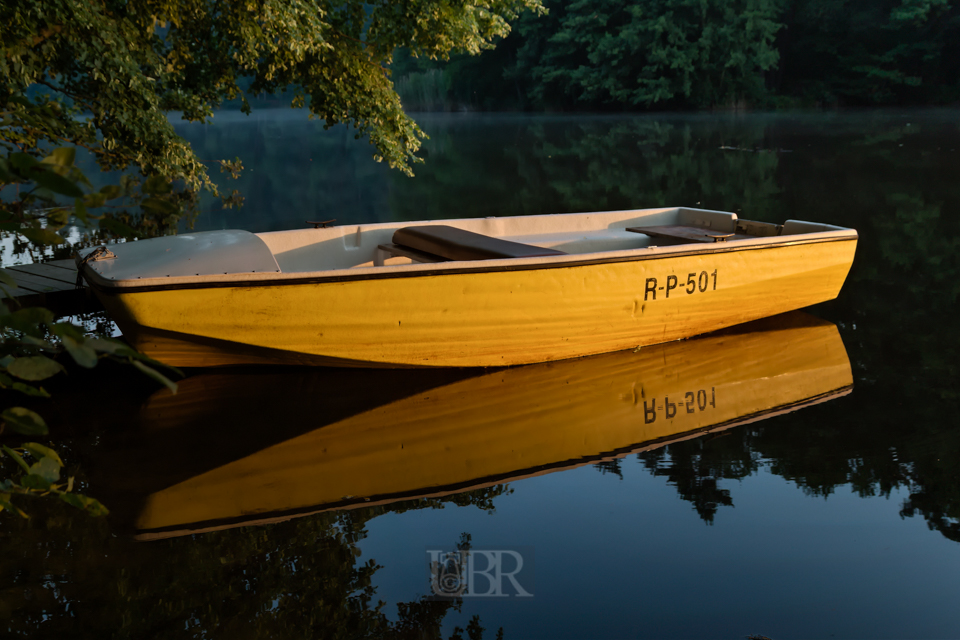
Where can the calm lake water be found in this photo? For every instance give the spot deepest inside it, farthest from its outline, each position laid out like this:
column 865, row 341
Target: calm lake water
column 805, row 485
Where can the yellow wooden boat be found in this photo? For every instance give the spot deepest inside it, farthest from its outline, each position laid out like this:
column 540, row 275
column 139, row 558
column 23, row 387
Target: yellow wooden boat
column 461, row 293
column 474, row 432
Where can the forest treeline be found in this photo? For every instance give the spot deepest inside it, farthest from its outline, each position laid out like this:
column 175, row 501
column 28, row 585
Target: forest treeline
column 694, row 54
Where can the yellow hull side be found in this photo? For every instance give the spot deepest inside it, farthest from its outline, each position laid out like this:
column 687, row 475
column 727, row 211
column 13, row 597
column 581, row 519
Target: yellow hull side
column 515, row 422
column 492, row 318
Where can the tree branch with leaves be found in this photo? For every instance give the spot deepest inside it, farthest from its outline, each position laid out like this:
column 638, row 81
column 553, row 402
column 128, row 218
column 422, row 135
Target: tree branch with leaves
column 105, row 75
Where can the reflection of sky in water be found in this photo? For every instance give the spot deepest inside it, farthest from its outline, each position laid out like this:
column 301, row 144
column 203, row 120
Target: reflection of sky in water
column 10, row 257
column 626, row 559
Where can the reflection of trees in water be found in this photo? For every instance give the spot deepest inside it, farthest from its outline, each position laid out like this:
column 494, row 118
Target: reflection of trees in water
column 696, row 467
column 302, row 578
column 905, row 300
column 591, row 164
column 613, row 467
column 293, row 171
column 894, row 183
column 696, row 480
column 824, row 448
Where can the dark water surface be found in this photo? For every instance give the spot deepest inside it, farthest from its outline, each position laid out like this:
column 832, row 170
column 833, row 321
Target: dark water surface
column 807, row 485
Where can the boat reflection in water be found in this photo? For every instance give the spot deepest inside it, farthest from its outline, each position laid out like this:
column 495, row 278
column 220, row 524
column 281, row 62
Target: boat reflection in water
column 276, row 445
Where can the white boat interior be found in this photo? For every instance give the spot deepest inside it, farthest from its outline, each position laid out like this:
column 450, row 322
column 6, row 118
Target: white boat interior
column 232, row 254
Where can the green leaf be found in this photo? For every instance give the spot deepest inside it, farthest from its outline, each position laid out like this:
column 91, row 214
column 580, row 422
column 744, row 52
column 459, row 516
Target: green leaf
column 24, row 421
column 28, row 325
column 61, row 157
column 80, row 352
column 108, row 345
column 159, row 206
column 34, row 481
column 80, row 210
column 6, row 504
column 156, row 185
column 116, row 227
column 30, row 317
column 58, row 218
column 16, row 457
column 42, row 236
column 76, row 344
column 6, row 176
column 124, row 351
column 62, row 329
column 41, row 451
column 94, row 200
column 34, row 368
column 46, row 468
column 30, row 390
column 26, row 389
column 22, row 162
column 111, row 191
column 91, row 506
column 49, row 179
column 156, row 375
column 7, row 279
column 127, row 351
column 128, row 184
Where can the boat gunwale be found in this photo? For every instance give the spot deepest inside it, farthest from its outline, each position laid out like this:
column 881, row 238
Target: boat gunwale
column 213, row 281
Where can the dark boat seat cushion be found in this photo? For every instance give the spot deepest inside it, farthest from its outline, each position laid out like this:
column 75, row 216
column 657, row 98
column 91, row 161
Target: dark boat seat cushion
column 457, row 244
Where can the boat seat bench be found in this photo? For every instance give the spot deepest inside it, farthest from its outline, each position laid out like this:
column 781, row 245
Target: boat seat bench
column 687, row 233
column 436, row 243
column 439, row 243
column 401, row 251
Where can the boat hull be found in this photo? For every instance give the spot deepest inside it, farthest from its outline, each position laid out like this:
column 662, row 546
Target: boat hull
column 480, row 317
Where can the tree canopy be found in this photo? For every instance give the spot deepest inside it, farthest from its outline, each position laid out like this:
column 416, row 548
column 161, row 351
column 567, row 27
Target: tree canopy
column 103, row 74
column 704, row 51
column 619, row 55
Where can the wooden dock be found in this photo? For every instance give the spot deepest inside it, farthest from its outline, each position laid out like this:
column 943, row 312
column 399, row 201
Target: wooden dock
column 51, row 285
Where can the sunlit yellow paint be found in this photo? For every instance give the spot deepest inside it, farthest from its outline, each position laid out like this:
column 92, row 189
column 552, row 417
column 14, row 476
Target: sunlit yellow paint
column 481, row 318
column 510, row 423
